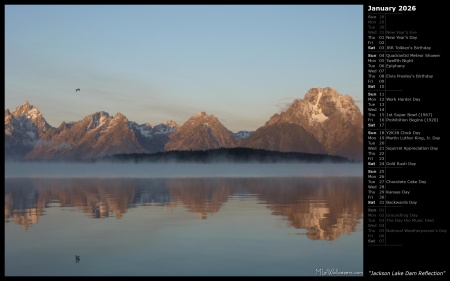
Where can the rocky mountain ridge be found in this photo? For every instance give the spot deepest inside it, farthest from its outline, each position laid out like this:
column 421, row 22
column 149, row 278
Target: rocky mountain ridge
column 323, row 122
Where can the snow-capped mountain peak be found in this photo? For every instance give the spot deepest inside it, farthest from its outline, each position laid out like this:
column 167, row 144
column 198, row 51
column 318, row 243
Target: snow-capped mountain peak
column 27, row 110
column 32, row 113
column 324, row 121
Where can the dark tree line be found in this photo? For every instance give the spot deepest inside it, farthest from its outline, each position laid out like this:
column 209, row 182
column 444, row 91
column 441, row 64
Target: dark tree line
column 237, row 155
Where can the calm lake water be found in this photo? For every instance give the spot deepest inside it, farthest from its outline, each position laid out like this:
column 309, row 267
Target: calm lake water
column 308, row 224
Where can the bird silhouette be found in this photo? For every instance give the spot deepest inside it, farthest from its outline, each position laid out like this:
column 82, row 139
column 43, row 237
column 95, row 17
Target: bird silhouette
column 77, row 90
column 77, row 258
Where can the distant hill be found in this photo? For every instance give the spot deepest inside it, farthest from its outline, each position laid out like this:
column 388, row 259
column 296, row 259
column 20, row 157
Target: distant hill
column 235, row 155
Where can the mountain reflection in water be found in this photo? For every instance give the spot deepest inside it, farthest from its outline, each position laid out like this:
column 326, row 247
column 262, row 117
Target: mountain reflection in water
column 325, row 207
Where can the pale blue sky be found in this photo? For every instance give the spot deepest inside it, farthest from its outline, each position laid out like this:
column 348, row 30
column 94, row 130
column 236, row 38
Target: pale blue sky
column 158, row 63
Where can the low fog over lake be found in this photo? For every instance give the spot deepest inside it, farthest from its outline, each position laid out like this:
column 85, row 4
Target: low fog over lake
column 158, row 170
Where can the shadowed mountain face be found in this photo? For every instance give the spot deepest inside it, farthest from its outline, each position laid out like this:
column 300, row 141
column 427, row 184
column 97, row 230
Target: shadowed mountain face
column 324, row 122
column 285, row 137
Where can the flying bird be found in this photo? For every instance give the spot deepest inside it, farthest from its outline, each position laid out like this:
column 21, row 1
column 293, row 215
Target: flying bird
column 77, row 90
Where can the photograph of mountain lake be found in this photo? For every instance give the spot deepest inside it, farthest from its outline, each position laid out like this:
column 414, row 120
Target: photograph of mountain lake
column 303, row 223
column 184, row 140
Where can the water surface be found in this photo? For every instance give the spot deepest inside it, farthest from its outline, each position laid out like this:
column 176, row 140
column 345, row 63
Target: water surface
column 183, row 226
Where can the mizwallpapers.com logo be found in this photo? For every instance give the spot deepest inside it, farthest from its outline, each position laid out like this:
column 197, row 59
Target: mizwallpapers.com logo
column 335, row 271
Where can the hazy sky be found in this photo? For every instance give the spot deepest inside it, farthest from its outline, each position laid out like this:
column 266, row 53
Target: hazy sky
column 158, row 63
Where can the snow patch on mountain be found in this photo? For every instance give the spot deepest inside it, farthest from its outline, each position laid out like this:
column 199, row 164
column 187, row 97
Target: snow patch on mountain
column 164, row 128
column 31, row 134
column 145, row 131
column 316, row 111
column 242, row 134
column 33, row 114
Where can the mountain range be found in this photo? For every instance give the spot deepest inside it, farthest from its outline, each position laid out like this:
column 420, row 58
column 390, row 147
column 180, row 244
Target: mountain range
column 323, row 122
